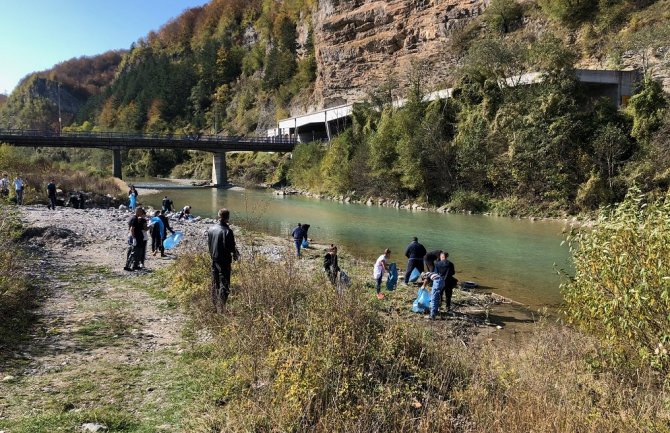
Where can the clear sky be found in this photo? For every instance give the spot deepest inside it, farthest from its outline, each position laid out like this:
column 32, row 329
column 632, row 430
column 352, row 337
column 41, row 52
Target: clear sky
column 37, row 34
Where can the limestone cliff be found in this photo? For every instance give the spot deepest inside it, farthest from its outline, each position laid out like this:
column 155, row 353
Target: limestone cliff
column 359, row 44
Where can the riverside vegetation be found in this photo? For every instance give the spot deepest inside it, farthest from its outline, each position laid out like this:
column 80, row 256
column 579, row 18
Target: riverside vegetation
column 291, row 354
column 236, row 67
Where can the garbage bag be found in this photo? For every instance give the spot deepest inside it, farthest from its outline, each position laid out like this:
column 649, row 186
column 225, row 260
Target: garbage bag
column 414, row 276
column 305, row 244
column 422, row 302
column 392, row 280
column 172, row 240
column 345, row 280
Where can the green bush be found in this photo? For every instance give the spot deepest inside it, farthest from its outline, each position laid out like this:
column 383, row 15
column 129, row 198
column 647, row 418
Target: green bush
column 621, row 287
column 468, row 201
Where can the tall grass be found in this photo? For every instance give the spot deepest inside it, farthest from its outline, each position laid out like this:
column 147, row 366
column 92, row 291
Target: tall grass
column 292, row 354
column 16, row 294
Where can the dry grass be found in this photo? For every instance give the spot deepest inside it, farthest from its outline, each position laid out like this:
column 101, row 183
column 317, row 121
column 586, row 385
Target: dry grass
column 291, row 354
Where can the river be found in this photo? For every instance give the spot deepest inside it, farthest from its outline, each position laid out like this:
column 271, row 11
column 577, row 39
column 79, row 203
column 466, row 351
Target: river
column 512, row 257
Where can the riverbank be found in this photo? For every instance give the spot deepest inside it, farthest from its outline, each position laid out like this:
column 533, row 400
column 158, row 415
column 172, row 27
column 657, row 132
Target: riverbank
column 142, row 351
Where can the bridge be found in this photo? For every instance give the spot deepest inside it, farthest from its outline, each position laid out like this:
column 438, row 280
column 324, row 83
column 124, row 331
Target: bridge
column 618, row 86
column 117, row 141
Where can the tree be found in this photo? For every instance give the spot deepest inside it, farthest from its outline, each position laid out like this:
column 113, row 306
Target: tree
column 501, row 14
column 647, row 108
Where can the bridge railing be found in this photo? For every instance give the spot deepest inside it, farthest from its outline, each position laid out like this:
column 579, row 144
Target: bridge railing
column 119, row 136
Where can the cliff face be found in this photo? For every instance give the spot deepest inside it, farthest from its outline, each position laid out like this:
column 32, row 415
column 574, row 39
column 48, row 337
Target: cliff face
column 360, row 44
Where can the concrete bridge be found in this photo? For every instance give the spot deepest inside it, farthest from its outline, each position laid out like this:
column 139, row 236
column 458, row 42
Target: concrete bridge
column 323, row 124
column 117, row 141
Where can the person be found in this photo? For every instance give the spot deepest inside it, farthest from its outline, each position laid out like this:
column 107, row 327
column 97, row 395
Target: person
column 223, row 251
column 157, row 234
column 133, row 191
column 298, row 235
column 415, row 253
column 137, row 225
column 330, row 264
column 18, row 187
column 305, row 229
column 446, row 269
column 167, row 204
column 381, row 265
column 185, row 213
column 51, row 193
column 132, row 201
column 4, row 185
column 430, row 258
column 166, row 225
column 433, row 279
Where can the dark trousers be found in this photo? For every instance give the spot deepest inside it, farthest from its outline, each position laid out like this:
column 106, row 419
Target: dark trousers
column 140, row 252
column 19, row 196
column 52, row 202
column 220, row 284
column 157, row 244
column 448, row 291
column 411, row 264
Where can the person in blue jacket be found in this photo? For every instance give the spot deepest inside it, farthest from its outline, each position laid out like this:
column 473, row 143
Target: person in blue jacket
column 298, row 234
column 157, row 234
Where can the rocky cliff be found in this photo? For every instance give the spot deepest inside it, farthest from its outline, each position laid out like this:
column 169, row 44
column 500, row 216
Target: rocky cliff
column 360, row 44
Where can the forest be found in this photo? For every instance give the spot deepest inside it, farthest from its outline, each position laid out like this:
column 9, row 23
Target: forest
column 235, row 67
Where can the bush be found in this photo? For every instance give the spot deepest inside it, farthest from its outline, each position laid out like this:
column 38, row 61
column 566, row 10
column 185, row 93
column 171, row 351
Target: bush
column 620, row 291
column 468, row 201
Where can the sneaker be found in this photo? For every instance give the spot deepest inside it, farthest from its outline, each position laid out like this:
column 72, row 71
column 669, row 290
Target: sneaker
column 126, row 268
column 380, row 296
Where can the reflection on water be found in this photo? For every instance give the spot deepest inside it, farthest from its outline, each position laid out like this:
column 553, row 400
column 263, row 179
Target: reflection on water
column 515, row 258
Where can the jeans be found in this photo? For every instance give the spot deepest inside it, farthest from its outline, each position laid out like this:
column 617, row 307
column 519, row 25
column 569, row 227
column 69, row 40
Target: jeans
column 52, row 202
column 220, row 284
column 411, row 264
column 298, row 244
column 19, row 196
column 379, row 283
column 435, row 295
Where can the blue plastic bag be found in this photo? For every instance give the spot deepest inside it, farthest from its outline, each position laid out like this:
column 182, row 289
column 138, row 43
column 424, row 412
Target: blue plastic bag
column 392, row 280
column 172, row 240
column 422, row 302
column 305, row 244
column 414, row 276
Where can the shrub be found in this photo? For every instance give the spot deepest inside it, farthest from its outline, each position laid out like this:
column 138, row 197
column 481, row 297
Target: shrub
column 468, row 201
column 620, row 291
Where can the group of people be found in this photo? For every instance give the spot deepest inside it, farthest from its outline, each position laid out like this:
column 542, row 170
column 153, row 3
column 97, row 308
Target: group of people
column 19, row 185
column 141, row 230
column 437, row 273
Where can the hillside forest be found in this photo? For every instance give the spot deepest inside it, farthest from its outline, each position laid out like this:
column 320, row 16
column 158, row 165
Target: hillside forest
column 236, row 67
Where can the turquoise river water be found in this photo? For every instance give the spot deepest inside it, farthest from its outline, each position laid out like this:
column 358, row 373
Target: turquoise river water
column 513, row 257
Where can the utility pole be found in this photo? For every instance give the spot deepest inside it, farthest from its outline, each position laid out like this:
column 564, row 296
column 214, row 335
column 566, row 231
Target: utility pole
column 60, row 121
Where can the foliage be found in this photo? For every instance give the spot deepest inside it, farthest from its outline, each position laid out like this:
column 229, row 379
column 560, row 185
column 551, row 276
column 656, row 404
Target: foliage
column 620, row 291
column 16, row 290
column 647, row 108
column 569, row 12
column 501, row 14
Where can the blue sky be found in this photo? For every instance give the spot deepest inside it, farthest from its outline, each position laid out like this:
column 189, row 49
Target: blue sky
column 37, row 34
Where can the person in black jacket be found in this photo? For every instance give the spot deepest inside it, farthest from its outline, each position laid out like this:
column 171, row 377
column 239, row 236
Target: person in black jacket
column 166, row 226
column 223, row 251
column 446, row 269
column 430, row 258
column 414, row 253
column 51, row 192
column 167, row 204
column 330, row 264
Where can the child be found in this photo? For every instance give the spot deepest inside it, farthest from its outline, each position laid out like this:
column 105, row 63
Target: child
column 381, row 265
column 330, row 264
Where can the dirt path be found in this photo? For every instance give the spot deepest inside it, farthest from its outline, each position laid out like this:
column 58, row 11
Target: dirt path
column 105, row 347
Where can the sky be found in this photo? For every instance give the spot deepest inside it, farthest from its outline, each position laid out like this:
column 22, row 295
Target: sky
column 37, row 34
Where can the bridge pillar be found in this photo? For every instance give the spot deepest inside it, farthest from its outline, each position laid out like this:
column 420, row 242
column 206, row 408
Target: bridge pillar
column 219, row 173
column 116, row 163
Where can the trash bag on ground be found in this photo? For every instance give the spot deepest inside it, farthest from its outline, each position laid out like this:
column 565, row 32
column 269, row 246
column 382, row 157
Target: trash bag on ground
column 392, row 280
column 422, row 302
column 414, row 276
column 172, row 240
column 344, row 279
